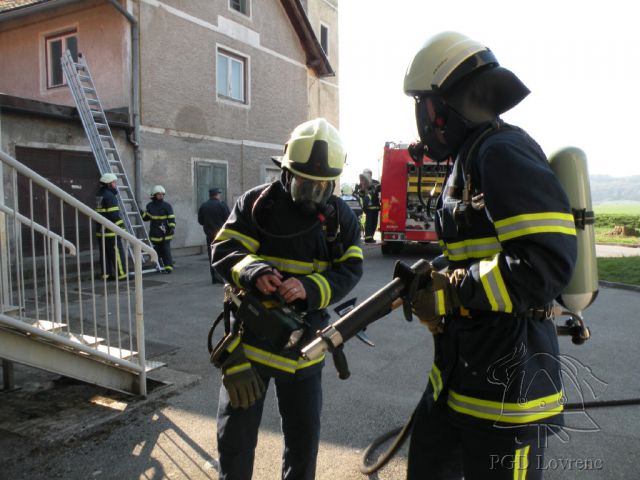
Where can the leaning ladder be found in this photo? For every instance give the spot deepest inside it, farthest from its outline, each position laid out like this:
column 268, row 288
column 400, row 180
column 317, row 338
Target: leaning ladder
column 102, row 143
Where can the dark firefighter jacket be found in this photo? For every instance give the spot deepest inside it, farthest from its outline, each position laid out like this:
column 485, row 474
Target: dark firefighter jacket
column 241, row 252
column 496, row 362
column 211, row 215
column 163, row 221
column 369, row 197
column 107, row 205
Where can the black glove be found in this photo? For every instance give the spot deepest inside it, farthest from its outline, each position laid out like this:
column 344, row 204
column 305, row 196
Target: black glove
column 439, row 298
column 244, row 385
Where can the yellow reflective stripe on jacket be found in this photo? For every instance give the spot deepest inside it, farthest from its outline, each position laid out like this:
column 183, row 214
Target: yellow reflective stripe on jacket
column 109, row 234
column 237, row 268
column 320, row 265
column 352, row 252
column 436, row 381
column 249, row 243
column 290, row 266
column 530, row 223
column 473, row 248
column 107, row 210
column 119, row 222
column 158, row 217
column 234, row 343
column 443, row 247
column 494, row 286
column 323, row 287
column 521, row 463
column 278, row 362
column 531, row 411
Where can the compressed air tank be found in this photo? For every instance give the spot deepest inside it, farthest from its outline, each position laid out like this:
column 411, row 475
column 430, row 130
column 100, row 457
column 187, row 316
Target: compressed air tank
column 570, row 167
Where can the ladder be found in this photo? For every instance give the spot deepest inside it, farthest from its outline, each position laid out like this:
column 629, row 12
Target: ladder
column 102, row 142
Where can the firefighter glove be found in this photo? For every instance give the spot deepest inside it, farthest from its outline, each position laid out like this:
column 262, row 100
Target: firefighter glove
column 243, row 384
column 437, row 299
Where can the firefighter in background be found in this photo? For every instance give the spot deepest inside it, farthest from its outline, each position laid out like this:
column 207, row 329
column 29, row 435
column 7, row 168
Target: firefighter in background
column 507, row 230
column 290, row 241
column 368, row 190
column 161, row 227
column 211, row 215
column 111, row 253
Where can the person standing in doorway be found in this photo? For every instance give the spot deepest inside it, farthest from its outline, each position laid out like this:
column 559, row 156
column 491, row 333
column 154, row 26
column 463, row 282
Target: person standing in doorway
column 162, row 226
column 211, row 215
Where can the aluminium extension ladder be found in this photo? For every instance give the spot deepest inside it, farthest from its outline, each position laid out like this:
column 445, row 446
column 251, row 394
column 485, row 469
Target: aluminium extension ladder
column 102, row 142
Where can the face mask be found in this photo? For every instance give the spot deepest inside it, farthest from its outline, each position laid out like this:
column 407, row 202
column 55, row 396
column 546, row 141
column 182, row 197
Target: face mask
column 442, row 130
column 308, row 194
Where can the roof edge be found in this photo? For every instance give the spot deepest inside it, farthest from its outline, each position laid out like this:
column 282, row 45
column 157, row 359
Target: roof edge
column 316, row 58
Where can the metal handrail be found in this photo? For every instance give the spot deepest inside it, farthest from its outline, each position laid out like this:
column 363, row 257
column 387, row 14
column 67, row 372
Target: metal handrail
column 71, row 248
column 43, row 182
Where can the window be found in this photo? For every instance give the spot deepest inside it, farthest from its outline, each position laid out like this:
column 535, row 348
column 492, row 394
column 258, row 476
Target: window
column 324, row 39
column 231, row 76
column 208, row 175
column 241, row 6
column 55, row 47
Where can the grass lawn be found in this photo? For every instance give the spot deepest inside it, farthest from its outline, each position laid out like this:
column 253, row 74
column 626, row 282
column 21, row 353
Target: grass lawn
column 620, row 269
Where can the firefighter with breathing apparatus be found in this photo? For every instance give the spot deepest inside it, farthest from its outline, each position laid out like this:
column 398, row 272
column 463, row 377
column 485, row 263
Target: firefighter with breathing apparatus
column 162, row 225
column 507, row 230
column 288, row 250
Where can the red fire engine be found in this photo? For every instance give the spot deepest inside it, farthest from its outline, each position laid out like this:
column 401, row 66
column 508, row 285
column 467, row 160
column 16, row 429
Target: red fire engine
column 405, row 216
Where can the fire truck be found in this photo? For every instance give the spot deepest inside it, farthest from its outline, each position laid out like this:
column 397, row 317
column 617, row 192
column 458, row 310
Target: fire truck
column 406, row 214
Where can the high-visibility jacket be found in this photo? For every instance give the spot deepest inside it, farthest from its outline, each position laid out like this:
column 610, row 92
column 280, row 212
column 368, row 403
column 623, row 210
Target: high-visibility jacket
column 497, row 362
column 243, row 251
column 163, row 221
column 107, row 206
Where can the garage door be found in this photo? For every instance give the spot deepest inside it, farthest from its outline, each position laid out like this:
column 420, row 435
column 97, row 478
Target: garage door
column 74, row 172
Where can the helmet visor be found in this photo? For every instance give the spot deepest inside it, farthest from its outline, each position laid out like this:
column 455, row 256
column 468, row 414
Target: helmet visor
column 306, row 192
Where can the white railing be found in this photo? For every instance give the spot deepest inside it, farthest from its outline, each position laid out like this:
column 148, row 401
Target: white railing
column 51, row 282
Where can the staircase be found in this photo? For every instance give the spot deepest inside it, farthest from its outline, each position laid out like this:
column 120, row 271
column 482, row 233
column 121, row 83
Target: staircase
column 57, row 312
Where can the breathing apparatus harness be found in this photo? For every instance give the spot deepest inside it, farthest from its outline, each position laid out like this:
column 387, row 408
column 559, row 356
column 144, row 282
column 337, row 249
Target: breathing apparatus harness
column 269, row 316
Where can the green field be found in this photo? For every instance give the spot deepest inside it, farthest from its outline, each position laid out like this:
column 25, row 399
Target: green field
column 618, row 208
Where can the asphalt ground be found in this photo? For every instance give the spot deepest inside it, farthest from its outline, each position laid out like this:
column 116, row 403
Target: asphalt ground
column 52, row 428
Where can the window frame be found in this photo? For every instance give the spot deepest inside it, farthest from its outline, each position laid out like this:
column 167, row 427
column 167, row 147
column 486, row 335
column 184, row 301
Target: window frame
column 247, row 4
column 48, row 39
column 230, row 56
column 325, row 48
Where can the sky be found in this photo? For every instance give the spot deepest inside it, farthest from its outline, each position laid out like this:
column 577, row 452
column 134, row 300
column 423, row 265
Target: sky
column 580, row 59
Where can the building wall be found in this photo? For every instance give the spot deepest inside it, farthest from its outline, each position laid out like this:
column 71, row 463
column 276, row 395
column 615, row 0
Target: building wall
column 102, row 38
column 324, row 92
column 183, row 121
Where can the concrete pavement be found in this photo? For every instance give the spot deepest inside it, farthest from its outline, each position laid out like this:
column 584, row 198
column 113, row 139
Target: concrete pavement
column 172, row 433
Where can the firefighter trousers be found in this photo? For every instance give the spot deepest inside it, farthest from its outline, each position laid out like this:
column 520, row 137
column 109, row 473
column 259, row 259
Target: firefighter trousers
column 370, row 224
column 112, row 258
column 440, row 449
column 163, row 249
column 299, row 403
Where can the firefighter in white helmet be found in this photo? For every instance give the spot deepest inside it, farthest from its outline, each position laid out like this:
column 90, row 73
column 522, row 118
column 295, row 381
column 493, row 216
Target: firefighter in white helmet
column 161, row 227
column 506, row 228
column 291, row 240
column 112, row 259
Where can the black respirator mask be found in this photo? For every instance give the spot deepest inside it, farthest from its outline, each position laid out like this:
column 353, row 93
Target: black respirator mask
column 442, row 130
column 309, row 195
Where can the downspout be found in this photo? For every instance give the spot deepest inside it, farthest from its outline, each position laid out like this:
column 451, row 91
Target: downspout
column 135, row 97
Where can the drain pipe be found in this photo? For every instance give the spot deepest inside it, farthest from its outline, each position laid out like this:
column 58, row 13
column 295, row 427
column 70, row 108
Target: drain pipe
column 135, row 97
